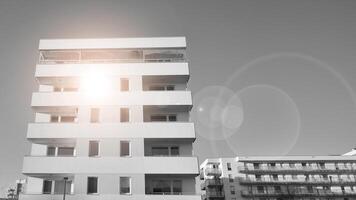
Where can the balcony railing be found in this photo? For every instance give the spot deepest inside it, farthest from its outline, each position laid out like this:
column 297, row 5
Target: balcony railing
column 298, row 193
column 213, row 172
column 211, row 183
column 295, row 170
column 262, row 181
column 111, row 56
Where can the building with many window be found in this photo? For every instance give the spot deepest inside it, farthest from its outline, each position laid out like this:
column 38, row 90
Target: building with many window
column 280, row 177
column 111, row 121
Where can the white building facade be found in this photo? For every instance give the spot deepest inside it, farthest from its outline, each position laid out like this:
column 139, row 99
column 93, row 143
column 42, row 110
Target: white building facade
column 111, row 121
column 279, row 177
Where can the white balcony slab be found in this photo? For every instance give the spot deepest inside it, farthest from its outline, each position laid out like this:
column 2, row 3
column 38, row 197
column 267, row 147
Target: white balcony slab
column 113, row 43
column 42, row 131
column 45, row 73
column 108, row 197
column 110, row 165
column 72, row 99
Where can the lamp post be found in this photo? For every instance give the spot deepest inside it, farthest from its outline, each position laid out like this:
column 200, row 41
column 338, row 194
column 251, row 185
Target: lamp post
column 64, row 190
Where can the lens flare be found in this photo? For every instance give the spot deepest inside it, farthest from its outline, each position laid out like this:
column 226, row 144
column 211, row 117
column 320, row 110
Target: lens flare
column 95, row 84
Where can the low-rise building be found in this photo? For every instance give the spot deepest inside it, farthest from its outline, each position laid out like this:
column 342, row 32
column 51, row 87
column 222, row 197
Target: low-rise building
column 280, row 177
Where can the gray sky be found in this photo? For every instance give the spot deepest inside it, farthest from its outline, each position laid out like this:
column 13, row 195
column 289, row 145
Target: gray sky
column 290, row 65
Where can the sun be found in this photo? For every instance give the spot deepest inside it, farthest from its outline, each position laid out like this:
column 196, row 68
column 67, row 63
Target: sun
column 95, row 84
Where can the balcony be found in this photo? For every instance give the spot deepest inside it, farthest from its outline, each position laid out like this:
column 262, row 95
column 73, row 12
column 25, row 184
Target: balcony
column 326, row 182
column 69, row 74
column 211, row 183
column 43, row 132
column 109, row 197
column 44, row 101
column 111, row 56
column 213, row 195
column 216, row 172
column 295, row 170
column 317, row 193
column 34, row 165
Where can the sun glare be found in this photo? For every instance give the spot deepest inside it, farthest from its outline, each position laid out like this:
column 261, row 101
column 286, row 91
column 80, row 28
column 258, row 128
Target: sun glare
column 95, row 84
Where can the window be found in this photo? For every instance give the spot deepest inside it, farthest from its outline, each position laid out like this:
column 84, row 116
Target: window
column 172, row 118
column 258, row 177
column 273, row 164
column 158, row 118
column 93, row 148
column 275, row 177
column 322, row 165
column 177, row 187
column 260, row 189
column 67, row 119
column 92, row 187
column 231, row 180
column 65, row 151
column 51, row 151
column 277, row 188
column 256, row 165
column 304, row 164
column 294, row 177
column 170, row 87
column 310, row 189
column 228, row 166
column 125, row 185
column 125, row 84
column 47, row 187
column 164, row 118
column 124, row 148
column 54, row 119
column 156, row 87
column 124, row 115
column 160, row 151
column 161, row 187
column 232, row 189
column 291, row 165
column 325, row 176
column 94, row 115
column 174, row 151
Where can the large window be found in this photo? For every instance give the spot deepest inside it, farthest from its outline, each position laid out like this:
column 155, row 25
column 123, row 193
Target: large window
column 93, row 148
column 124, row 115
column 47, row 187
column 125, row 185
column 94, row 115
column 165, row 151
column 51, row 151
column 65, row 151
column 92, row 185
column 164, row 118
column 125, row 84
column 124, row 148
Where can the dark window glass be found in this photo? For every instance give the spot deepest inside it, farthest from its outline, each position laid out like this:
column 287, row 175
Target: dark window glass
column 172, row 118
column 65, row 151
column 158, row 118
column 161, row 187
column 260, row 189
column 124, row 148
column 92, row 185
column 170, row 87
column 177, row 187
column 51, row 151
column 124, row 115
column 125, row 84
column 304, row 164
column 125, row 185
column 277, row 188
column 93, row 148
column 47, row 187
column 256, row 165
column 54, row 119
column 174, row 151
column 156, row 87
column 228, row 166
column 67, row 118
column 160, row 151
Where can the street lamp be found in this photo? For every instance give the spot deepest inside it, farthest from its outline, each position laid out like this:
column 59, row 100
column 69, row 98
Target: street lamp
column 65, row 184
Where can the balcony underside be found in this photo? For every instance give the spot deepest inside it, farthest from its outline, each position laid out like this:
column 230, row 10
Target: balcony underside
column 47, row 101
column 299, row 171
column 43, row 133
column 36, row 165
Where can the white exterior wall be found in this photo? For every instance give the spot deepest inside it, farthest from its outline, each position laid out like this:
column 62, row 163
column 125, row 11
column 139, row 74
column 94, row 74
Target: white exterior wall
column 109, row 131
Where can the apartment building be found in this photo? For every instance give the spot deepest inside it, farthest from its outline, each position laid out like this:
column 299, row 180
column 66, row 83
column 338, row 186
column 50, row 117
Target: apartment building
column 111, row 121
column 280, row 177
